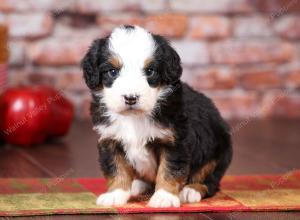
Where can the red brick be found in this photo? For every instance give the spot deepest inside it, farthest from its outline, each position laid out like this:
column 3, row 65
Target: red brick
column 260, row 79
column 57, row 52
column 71, row 80
column 58, row 6
column 37, row 78
column 62, row 30
column 276, row 7
column 17, row 77
column 2, row 18
column 192, row 53
column 120, row 19
column 96, row 6
column 5, row 6
column 17, row 53
column 34, row 5
column 254, row 26
column 209, row 6
column 109, row 22
column 212, row 79
column 153, row 5
column 251, row 52
column 293, row 79
column 169, row 25
column 236, row 104
column 288, row 27
column 19, row 5
column 31, row 77
column 61, row 78
column 30, row 25
column 209, row 27
column 281, row 104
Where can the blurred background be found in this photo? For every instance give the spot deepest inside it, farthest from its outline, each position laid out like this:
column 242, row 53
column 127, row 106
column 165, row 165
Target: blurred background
column 244, row 54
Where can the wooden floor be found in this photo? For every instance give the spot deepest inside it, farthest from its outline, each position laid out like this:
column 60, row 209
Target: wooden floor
column 270, row 146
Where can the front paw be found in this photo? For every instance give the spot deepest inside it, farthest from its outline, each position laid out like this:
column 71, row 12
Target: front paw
column 189, row 195
column 117, row 197
column 163, row 199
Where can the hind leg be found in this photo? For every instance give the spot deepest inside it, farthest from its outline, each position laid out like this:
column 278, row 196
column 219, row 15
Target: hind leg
column 196, row 189
column 194, row 192
column 205, row 182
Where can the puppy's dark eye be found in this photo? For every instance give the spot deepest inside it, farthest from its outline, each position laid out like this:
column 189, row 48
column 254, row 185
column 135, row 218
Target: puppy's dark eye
column 113, row 73
column 150, row 72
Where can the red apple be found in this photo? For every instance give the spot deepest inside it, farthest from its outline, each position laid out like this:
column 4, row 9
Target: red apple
column 30, row 115
column 24, row 116
column 61, row 111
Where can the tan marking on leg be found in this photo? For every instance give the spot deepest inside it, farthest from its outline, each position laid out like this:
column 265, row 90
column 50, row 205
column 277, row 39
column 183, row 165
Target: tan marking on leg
column 124, row 172
column 202, row 173
column 199, row 177
column 165, row 181
column 124, row 176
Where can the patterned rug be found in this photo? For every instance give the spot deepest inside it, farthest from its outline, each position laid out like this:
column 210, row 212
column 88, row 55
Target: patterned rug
column 28, row 197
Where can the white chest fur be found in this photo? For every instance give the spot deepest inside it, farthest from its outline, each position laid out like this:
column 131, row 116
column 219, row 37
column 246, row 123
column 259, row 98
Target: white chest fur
column 135, row 131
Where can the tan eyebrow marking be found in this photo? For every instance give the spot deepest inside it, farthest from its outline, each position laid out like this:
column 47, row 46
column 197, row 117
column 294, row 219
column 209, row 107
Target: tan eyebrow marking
column 147, row 62
column 115, row 62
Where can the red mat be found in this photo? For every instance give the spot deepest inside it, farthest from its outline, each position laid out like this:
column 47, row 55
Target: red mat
column 24, row 197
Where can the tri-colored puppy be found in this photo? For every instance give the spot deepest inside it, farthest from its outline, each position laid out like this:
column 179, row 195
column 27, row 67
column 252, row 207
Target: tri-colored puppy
column 154, row 130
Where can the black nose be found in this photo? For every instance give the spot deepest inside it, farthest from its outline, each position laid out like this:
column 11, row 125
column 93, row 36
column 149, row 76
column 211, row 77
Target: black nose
column 130, row 99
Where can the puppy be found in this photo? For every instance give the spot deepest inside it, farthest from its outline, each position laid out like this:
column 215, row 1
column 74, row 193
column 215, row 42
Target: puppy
column 155, row 131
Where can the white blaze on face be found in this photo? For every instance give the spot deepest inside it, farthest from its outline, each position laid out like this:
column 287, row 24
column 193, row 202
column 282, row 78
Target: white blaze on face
column 133, row 47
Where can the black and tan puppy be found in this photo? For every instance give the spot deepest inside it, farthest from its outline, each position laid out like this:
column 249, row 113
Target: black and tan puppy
column 154, row 130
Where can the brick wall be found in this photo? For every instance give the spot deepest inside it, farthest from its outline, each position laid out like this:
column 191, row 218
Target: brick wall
column 243, row 54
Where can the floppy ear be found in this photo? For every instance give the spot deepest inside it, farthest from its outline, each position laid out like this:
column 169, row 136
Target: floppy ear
column 91, row 62
column 171, row 69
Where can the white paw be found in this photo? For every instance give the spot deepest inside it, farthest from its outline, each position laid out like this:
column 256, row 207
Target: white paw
column 115, row 198
column 161, row 198
column 189, row 195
